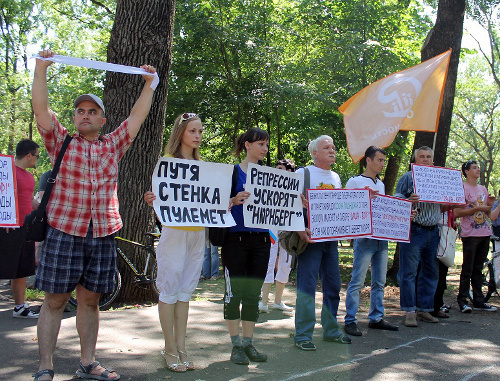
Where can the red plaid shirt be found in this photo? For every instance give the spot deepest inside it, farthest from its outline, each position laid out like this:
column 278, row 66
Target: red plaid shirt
column 86, row 185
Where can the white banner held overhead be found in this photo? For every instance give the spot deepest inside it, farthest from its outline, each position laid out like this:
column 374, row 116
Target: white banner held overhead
column 391, row 218
column 339, row 213
column 274, row 201
column 438, row 184
column 99, row 65
column 192, row 193
column 9, row 211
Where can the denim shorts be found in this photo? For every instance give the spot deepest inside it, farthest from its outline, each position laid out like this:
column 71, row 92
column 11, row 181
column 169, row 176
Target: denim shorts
column 68, row 260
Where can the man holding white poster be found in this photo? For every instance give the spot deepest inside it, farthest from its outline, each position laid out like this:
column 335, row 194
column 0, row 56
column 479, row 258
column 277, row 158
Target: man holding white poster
column 424, row 240
column 319, row 258
column 368, row 252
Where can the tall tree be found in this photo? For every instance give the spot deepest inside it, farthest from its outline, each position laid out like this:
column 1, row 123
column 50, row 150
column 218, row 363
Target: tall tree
column 142, row 33
column 446, row 33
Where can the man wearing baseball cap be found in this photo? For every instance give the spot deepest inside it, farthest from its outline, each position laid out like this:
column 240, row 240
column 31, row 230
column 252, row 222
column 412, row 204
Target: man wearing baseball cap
column 82, row 213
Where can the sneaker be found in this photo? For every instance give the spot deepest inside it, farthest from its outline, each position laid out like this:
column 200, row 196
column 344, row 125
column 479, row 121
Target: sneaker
column 282, row 306
column 411, row 319
column 445, row 308
column 485, row 307
column 341, row 339
column 253, row 354
column 263, row 308
column 427, row 317
column 238, row 356
column 352, row 329
column 306, row 345
column 24, row 312
column 382, row 324
column 465, row 309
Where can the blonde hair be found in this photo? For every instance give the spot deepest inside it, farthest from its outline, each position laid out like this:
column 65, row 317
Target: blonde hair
column 175, row 141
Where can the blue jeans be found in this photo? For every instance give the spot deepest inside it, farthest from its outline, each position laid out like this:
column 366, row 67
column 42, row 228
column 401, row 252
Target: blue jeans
column 422, row 249
column 321, row 258
column 211, row 262
column 367, row 251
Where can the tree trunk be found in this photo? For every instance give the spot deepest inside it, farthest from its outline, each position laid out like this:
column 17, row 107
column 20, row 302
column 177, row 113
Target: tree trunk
column 446, row 33
column 142, row 34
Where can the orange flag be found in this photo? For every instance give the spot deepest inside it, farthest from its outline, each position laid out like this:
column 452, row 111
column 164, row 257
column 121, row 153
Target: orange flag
column 408, row 100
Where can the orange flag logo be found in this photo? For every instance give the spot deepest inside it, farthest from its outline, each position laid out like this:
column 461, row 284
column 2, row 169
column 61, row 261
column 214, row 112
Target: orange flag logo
column 408, row 100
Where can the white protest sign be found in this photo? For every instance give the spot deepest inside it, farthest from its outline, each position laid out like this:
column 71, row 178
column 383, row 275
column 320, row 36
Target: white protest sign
column 339, row 213
column 438, row 184
column 391, row 217
column 274, row 201
column 9, row 213
column 192, row 193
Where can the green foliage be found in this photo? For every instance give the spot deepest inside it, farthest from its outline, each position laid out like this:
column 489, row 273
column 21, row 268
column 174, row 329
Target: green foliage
column 474, row 134
column 284, row 66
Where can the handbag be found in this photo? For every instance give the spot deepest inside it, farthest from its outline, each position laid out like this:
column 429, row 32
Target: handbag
column 290, row 240
column 35, row 223
column 447, row 239
column 218, row 236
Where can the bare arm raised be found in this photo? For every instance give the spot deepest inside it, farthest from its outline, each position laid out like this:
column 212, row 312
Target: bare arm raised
column 142, row 106
column 43, row 114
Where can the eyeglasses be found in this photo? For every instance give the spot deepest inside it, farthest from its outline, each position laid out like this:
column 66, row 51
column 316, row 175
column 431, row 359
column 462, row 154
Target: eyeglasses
column 188, row 115
column 37, row 156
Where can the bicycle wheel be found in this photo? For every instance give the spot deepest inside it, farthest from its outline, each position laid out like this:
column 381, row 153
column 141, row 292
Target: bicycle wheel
column 488, row 284
column 106, row 299
column 154, row 274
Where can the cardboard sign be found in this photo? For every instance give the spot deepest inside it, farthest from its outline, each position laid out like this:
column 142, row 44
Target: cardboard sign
column 391, row 218
column 438, row 184
column 274, row 201
column 192, row 193
column 9, row 212
column 339, row 213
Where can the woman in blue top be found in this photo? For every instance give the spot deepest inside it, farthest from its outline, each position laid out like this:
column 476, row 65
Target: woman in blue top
column 245, row 256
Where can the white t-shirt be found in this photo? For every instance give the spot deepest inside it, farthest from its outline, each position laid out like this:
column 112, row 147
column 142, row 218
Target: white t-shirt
column 360, row 182
column 322, row 178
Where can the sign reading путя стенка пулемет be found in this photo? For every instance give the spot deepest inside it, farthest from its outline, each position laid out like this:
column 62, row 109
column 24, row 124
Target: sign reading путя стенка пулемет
column 274, row 201
column 339, row 213
column 192, row 193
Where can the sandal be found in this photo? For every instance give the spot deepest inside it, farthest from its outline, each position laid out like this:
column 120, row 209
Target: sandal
column 84, row 372
column 177, row 367
column 43, row 372
column 189, row 364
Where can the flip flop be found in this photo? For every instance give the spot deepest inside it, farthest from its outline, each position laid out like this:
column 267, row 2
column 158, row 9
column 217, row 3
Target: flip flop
column 43, row 372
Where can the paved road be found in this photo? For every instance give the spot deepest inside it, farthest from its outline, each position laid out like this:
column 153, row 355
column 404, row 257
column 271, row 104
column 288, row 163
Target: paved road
column 464, row 347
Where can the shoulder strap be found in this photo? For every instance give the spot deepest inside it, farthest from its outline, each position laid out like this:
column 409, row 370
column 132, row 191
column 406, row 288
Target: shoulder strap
column 307, row 180
column 52, row 178
column 234, row 181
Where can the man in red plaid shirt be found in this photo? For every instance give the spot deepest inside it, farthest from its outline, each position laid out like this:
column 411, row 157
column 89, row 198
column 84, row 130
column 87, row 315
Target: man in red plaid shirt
column 79, row 249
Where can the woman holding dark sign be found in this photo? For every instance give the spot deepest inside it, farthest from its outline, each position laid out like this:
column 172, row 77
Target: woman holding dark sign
column 179, row 254
column 245, row 256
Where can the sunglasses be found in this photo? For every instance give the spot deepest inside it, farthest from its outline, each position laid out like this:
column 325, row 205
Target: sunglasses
column 188, row 116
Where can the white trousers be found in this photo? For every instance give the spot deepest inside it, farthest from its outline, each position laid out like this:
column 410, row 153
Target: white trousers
column 284, row 265
column 180, row 258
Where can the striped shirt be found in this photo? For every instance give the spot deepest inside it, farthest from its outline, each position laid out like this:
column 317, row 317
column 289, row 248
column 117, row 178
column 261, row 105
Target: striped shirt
column 429, row 214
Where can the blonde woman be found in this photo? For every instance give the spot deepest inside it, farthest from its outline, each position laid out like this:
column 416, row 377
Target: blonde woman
column 180, row 255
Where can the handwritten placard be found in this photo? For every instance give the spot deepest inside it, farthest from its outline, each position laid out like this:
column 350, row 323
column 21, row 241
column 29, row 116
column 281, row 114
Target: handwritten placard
column 274, row 201
column 192, row 193
column 438, row 184
column 9, row 213
column 339, row 213
column 391, row 218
